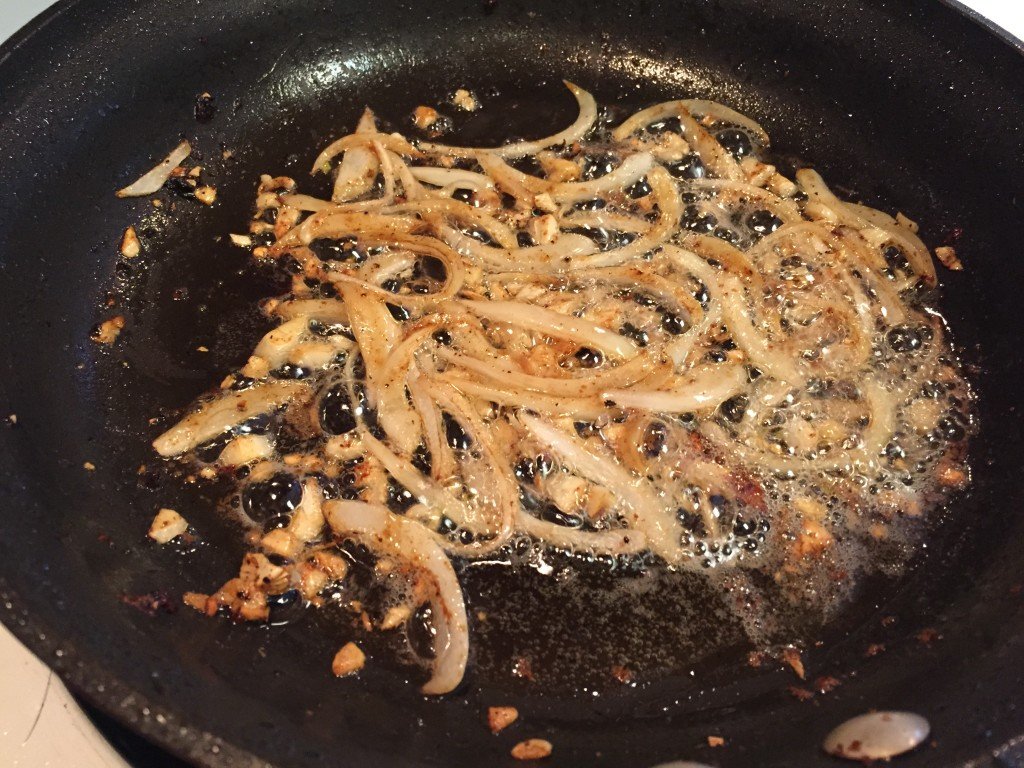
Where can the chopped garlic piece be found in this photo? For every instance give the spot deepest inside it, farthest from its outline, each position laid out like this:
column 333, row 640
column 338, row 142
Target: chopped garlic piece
column 348, row 660
column 130, row 245
column 206, row 195
column 167, row 525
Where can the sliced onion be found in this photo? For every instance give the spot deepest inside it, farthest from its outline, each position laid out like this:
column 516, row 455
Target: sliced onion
column 631, row 169
column 864, row 218
column 308, row 517
column 327, row 311
column 228, row 410
column 451, row 177
column 558, row 256
column 578, row 407
column 645, row 511
column 391, row 141
column 580, row 127
column 614, row 541
column 151, row 181
column 466, row 214
column 556, row 324
column 504, row 372
column 381, row 531
column 665, row 193
column 701, row 390
column 769, row 357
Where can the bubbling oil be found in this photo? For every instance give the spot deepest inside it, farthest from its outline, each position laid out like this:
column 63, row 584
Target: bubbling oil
column 642, row 360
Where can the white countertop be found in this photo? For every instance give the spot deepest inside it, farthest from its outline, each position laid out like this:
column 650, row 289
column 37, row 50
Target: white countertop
column 40, row 724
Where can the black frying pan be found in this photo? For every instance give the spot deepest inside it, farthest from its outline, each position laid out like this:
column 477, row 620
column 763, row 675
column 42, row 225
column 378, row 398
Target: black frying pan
column 910, row 105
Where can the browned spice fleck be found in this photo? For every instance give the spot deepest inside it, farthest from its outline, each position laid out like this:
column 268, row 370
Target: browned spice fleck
column 888, row 621
column 622, row 674
column 500, row 718
column 792, row 657
column 874, row 649
column 531, row 749
column 716, row 741
column 826, row 683
column 151, row 603
column 927, row 636
column 523, row 668
column 800, row 694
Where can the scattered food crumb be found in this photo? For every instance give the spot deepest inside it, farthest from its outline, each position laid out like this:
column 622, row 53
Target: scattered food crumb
column 151, row 603
column 953, row 236
column 202, row 349
column 500, row 718
column 874, row 649
column 206, row 195
column 227, row 154
column 951, row 476
column 927, row 636
column 424, row 117
column 800, row 694
column 195, row 600
column 167, row 525
column 463, row 99
column 481, row 615
column 157, row 203
column 242, row 241
column 108, row 331
column 205, row 107
column 716, row 741
column 888, row 621
column 826, row 684
column 395, row 617
column 531, row 749
column 89, row 466
column 948, row 258
column 208, row 473
column 195, row 172
column 12, row 419
column 545, row 202
column 349, row 660
column 522, row 668
column 130, row 245
column 755, row 659
column 622, row 674
column 792, row 657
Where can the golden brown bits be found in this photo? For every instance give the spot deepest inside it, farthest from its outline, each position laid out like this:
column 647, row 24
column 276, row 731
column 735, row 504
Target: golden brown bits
column 716, row 741
column 500, row 718
column 948, row 258
column 108, row 331
column 130, row 245
column 792, row 657
column 532, row 749
column 206, row 195
column 465, row 100
column 349, row 660
column 167, row 525
column 424, row 117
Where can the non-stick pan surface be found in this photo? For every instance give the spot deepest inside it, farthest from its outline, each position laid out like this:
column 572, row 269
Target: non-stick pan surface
column 909, row 105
